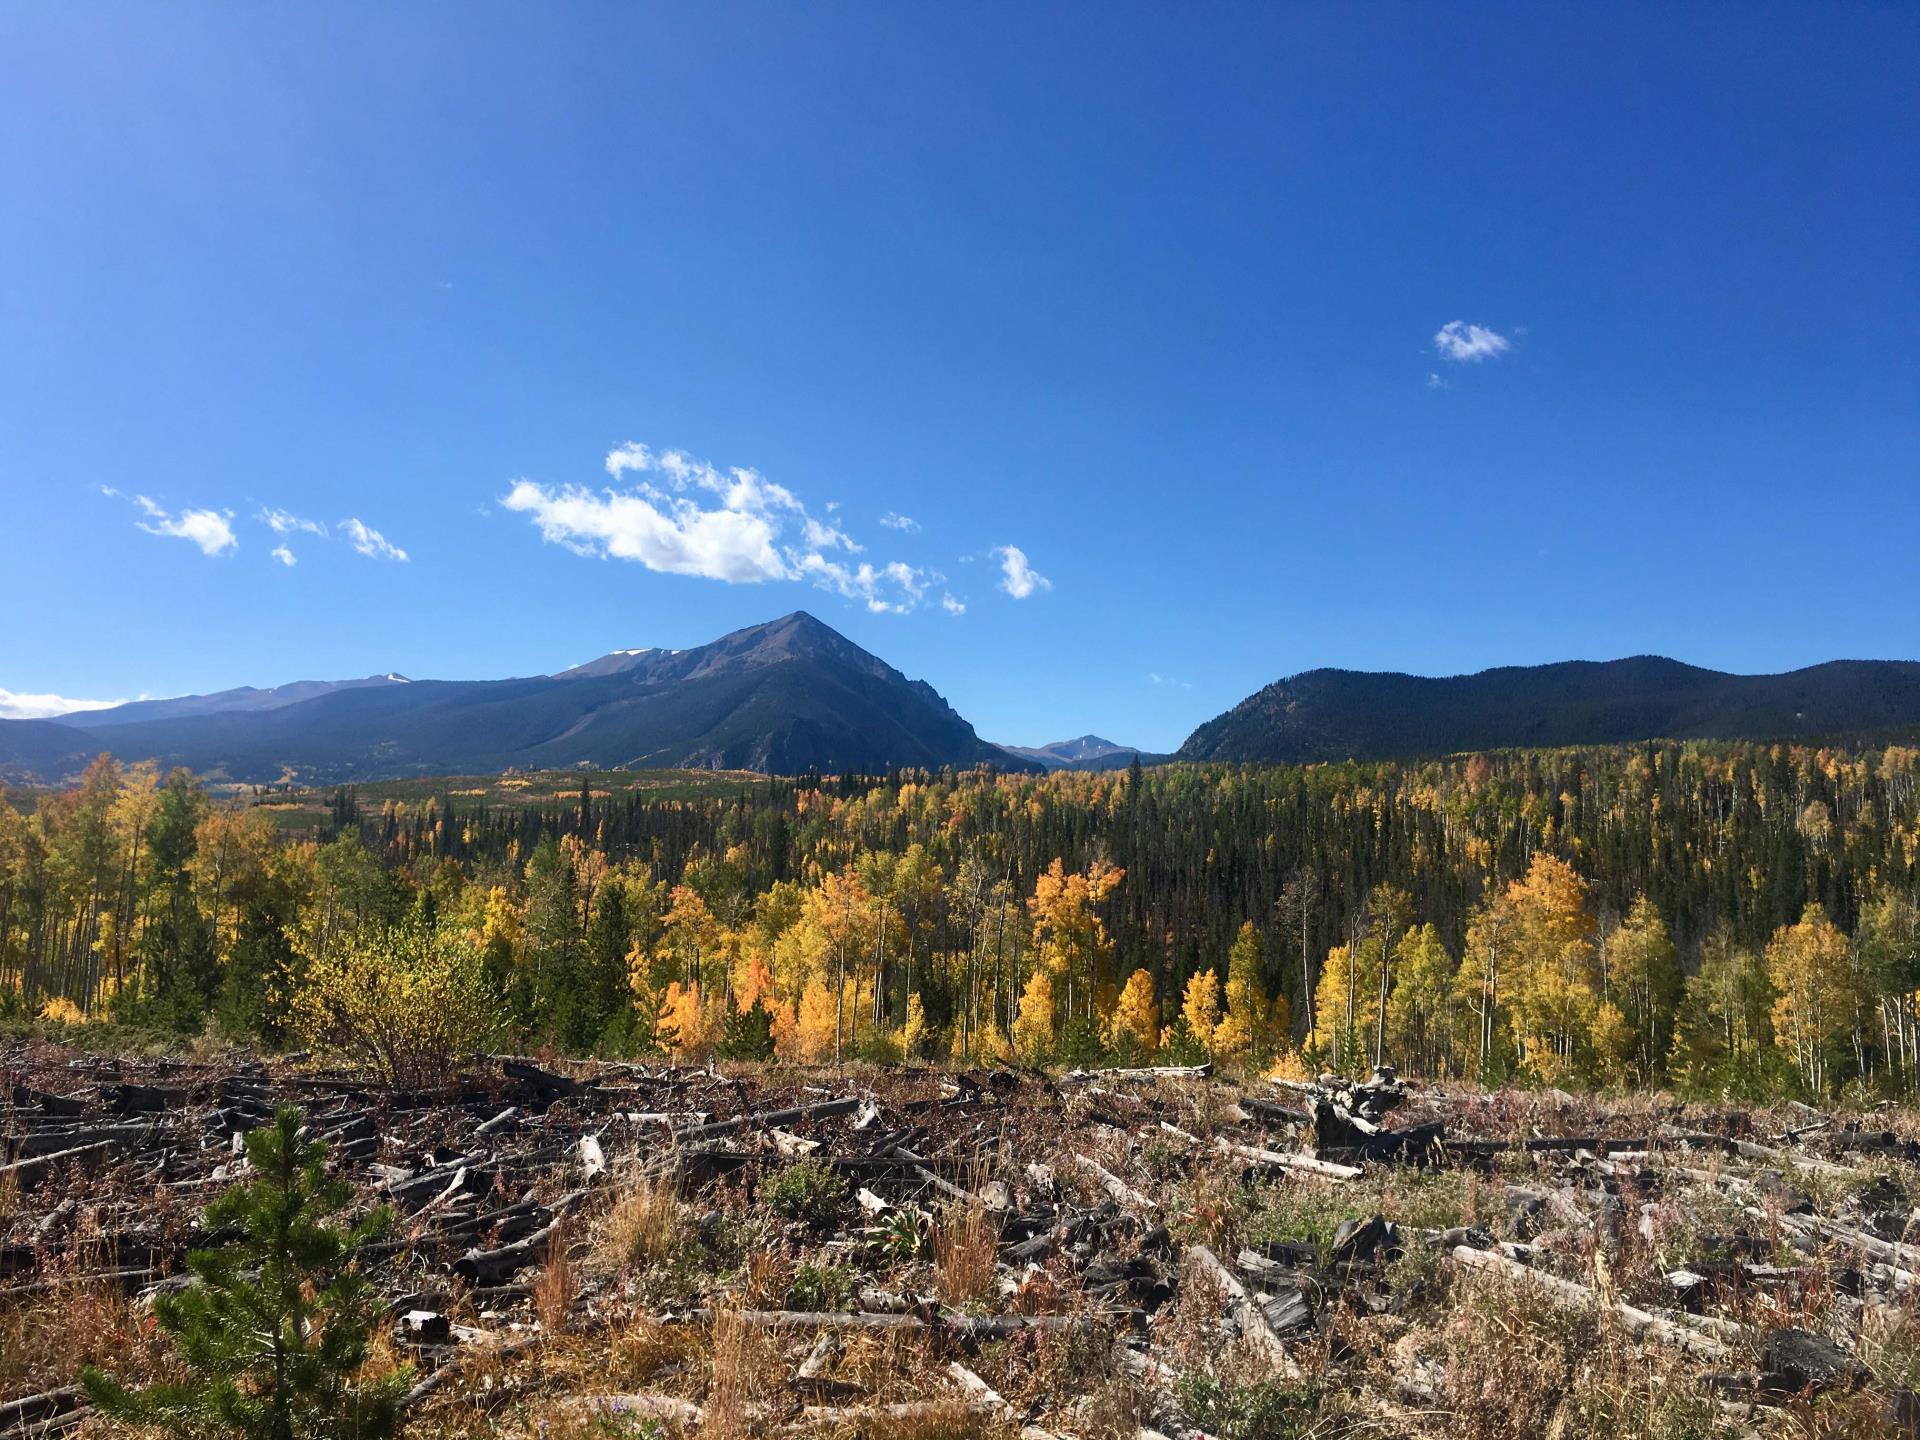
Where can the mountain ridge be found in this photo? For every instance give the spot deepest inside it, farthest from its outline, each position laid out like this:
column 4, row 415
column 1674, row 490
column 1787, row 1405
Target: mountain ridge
column 786, row 696
column 1083, row 752
column 1332, row 714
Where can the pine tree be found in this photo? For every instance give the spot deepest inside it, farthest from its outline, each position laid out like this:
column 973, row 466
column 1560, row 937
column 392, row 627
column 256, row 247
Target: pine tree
column 276, row 1328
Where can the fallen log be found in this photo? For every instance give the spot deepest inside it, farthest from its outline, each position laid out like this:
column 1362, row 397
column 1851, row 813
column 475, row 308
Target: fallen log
column 1246, row 1311
column 821, row 1110
column 1279, row 1160
column 1116, row 1188
column 1144, row 1072
column 973, row 1327
column 1640, row 1324
column 30, row 1172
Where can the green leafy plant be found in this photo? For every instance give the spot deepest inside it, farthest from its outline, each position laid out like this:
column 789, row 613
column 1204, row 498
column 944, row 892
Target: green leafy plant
column 818, row 1287
column 810, row 1192
column 275, row 1329
column 1269, row 1410
column 903, row 1234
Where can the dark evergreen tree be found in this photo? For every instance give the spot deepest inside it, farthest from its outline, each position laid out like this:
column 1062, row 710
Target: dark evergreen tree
column 275, row 1327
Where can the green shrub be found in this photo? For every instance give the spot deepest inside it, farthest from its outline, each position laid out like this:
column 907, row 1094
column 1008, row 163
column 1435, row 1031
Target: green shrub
column 1270, row 1410
column 808, row 1191
column 818, row 1287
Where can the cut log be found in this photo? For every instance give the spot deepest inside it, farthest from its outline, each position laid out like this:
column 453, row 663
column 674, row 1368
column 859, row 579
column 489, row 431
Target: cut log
column 1640, row 1324
column 822, row 1110
column 1247, row 1314
column 973, row 1327
column 1144, row 1072
column 1116, row 1188
column 1279, row 1160
column 24, row 1173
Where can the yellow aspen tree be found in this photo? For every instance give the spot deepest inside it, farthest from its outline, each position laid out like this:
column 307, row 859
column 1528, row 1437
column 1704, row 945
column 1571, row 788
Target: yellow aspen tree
column 1200, row 1007
column 1135, row 1029
column 1642, row 982
column 1247, row 1029
column 916, row 1033
column 1811, row 967
column 1348, row 982
column 1033, row 1026
column 815, row 1026
column 687, row 1025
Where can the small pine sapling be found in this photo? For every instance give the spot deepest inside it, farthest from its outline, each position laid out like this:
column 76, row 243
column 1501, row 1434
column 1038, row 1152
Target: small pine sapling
column 275, row 1328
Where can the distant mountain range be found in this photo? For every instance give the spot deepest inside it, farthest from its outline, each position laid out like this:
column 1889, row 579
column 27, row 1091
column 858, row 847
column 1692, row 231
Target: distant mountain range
column 1089, row 752
column 1350, row 714
column 786, row 697
column 794, row 695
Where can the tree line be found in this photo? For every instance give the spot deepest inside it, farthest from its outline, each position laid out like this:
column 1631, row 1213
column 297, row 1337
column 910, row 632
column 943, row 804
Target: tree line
column 1718, row 915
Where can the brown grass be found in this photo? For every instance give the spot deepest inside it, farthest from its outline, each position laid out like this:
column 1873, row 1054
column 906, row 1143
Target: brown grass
column 553, row 1292
column 745, row 1361
column 644, row 1226
column 964, row 1250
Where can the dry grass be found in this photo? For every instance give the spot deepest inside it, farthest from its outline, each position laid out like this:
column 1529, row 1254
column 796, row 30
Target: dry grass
column 965, row 1247
column 745, row 1363
column 644, row 1226
column 553, row 1292
column 44, row 1342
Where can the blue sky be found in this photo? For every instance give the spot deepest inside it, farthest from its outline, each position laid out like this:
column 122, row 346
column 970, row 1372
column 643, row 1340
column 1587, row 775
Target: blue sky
column 1155, row 296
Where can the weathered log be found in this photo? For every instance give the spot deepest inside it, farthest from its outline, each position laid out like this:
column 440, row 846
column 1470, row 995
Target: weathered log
column 1144, row 1072
column 975, row 1327
column 821, row 1110
column 1641, row 1324
column 498, row 1123
column 1247, row 1313
column 641, row 1405
column 1117, row 1188
column 1278, row 1160
column 31, row 1411
column 30, row 1172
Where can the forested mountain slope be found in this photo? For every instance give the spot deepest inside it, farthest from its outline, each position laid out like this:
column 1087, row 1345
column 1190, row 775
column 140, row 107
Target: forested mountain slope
column 786, row 697
column 1357, row 715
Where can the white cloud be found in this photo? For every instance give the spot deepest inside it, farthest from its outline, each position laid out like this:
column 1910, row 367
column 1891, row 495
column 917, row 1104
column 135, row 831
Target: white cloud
column 953, row 606
column 1155, row 678
column 370, row 542
column 891, row 589
column 670, row 535
column 211, row 530
column 1434, row 382
column 284, row 555
column 906, row 524
column 283, row 523
column 681, row 516
column 15, row 706
column 1458, row 340
column 825, row 537
column 1018, row 578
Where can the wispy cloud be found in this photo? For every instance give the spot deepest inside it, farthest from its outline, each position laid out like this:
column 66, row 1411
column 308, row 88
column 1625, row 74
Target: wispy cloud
column 282, row 522
column 1018, row 577
column 1434, row 382
column 284, row 555
column 370, row 542
column 1154, row 677
column 211, row 530
column 1461, row 341
column 906, row 524
column 890, row 589
column 16, row 706
column 953, row 606
column 681, row 516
